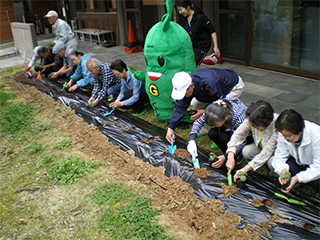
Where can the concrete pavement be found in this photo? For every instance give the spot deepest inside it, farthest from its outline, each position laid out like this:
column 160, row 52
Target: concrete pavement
column 283, row 91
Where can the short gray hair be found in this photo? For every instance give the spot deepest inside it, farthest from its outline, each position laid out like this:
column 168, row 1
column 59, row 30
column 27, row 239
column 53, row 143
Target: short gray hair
column 94, row 62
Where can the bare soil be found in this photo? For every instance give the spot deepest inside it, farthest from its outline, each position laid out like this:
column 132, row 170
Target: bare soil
column 186, row 216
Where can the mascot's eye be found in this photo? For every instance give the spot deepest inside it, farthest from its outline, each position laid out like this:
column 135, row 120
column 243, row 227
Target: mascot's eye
column 161, row 61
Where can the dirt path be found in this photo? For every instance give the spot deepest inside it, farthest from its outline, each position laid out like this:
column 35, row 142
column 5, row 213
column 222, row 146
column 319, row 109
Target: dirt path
column 186, row 216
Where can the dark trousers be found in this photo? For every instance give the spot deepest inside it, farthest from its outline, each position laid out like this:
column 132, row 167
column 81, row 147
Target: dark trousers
column 50, row 69
column 296, row 168
column 138, row 106
column 199, row 56
column 221, row 137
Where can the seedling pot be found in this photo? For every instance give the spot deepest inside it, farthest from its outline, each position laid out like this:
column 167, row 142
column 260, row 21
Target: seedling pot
column 284, row 187
column 212, row 158
column 212, row 161
column 240, row 184
column 192, row 112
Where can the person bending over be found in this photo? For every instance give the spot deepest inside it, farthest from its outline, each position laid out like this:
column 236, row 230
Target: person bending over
column 49, row 62
column 81, row 77
column 224, row 116
column 199, row 89
column 104, row 81
column 68, row 67
column 259, row 122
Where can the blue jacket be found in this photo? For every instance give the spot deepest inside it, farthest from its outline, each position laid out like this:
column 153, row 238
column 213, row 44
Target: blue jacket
column 83, row 72
column 210, row 84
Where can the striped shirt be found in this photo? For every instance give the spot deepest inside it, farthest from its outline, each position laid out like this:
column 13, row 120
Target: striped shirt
column 238, row 116
column 103, row 80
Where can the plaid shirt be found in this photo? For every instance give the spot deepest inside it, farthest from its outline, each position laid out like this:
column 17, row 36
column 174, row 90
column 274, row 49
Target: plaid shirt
column 238, row 110
column 103, row 80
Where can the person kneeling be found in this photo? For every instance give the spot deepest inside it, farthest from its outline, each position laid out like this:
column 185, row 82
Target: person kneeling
column 81, row 77
column 132, row 93
column 297, row 155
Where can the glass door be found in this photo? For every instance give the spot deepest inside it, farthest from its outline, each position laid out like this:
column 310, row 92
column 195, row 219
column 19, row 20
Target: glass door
column 232, row 29
column 286, row 34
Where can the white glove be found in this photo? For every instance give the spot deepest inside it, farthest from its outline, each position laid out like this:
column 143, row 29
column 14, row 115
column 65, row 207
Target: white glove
column 192, row 148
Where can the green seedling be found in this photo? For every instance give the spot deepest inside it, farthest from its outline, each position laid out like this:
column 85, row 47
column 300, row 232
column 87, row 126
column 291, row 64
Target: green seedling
column 191, row 111
column 212, row 156
column 65, row 85
column 110, row 98
column 285, row 175
column 190, row 108
column 50, row 44
column 242, row 175
column 91, row 104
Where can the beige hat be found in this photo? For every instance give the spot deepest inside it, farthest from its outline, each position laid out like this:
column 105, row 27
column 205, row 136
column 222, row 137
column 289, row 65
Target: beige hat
column 51, row 13
column 180, row 82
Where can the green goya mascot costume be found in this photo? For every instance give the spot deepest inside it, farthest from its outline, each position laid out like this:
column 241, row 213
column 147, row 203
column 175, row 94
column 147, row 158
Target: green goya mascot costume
column 167, row 50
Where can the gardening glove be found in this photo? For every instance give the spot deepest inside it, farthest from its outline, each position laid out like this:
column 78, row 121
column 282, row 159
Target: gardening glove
column 192, row 148
column 28, row 68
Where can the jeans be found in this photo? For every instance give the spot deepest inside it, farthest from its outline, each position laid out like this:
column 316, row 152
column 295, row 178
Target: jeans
column 114, row 90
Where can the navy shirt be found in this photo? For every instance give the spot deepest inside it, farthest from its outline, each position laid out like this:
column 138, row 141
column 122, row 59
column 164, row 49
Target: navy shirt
column 210, row 84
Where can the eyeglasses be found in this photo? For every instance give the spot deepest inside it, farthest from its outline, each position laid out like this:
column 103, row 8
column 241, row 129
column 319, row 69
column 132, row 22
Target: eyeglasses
column 289, row 137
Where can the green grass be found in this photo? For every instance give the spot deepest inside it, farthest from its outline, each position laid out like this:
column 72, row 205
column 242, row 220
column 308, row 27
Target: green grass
column 127, row 215
column 17, row 117
column 64, row 144
column 32, row 154
column 70, row 169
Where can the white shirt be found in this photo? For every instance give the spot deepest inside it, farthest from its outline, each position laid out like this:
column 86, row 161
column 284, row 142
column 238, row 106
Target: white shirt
column 308, row 153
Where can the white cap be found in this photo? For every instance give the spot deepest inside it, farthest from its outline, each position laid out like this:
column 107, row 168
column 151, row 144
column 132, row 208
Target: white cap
column 51, row 13
column 57, row 47
column 180, row 82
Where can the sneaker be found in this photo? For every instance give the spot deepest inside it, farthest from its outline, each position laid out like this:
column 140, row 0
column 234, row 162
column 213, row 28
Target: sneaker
column 139, row 114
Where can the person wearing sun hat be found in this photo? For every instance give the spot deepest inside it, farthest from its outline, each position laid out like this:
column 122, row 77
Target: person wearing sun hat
column 198, row 89
column 68, row 67
column 62, row 30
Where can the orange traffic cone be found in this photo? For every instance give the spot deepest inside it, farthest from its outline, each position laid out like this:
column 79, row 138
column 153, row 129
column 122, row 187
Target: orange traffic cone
column 132, row 46
column 131, row 36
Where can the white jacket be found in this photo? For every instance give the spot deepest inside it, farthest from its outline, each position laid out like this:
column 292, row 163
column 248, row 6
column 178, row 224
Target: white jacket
column 308, row 153
column 270, row 140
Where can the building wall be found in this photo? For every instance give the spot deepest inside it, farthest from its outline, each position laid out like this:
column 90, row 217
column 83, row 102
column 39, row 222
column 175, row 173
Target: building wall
column 39, row 8
column 5, row 29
